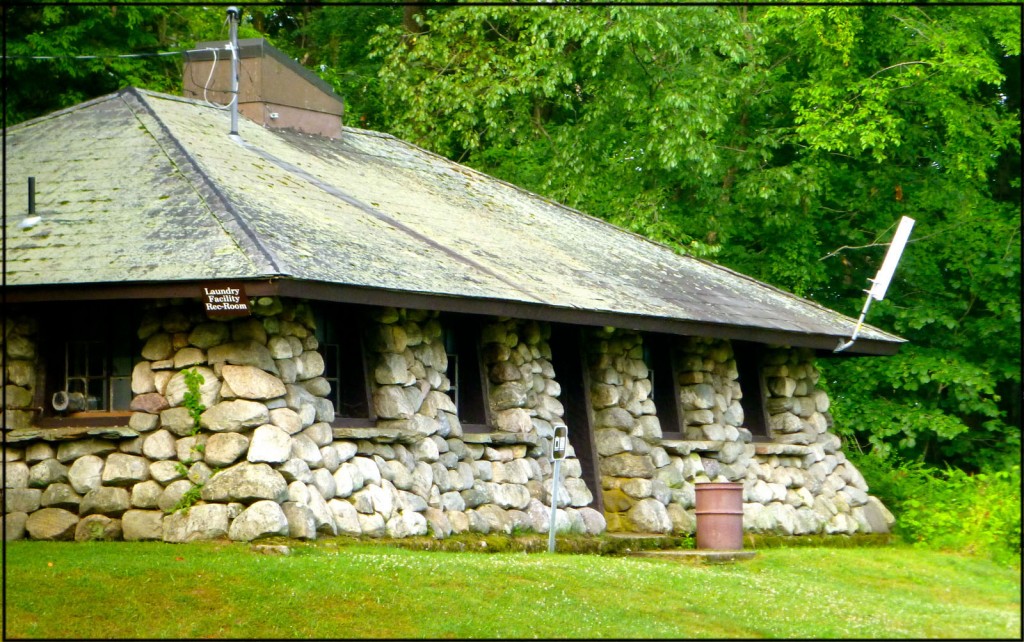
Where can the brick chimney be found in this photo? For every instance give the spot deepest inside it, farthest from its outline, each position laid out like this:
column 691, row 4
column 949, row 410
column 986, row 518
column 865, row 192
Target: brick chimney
column 273, row 89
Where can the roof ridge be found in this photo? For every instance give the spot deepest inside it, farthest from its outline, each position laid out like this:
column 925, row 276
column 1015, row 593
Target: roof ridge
column 66, row 110
column 245, row 238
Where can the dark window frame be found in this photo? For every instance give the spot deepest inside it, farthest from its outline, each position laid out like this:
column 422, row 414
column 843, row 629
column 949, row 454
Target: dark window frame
column 466, row 373
column 661, row 367
column 749, row 359
column 112, row 335
column 341, row 334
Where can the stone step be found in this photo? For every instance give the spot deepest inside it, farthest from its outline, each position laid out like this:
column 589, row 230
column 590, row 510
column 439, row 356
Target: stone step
column 697, row 555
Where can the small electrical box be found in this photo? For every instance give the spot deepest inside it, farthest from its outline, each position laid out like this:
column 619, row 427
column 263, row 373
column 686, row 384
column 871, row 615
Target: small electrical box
column 560, row 443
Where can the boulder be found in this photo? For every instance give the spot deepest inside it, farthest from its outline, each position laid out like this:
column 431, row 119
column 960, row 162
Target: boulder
column 85, row 473
column 72, row 450
column 51, row 524
column 46, row 472
column 611, row 441
column 201, row 522
column 173, row 494
column 249, row 382
column 243, row 353
column 269, row 444
column 305, row 449
column 286, row 419
column 165, row 471
column 346, row 519
column 138, row 525
column 14, row 526
column 262, row 519
column 22, row 500
column 224, row 449
column 324, row 482
column 301, row 524
column 627, row 465
column 98, row 527
column 105, row 500
column 372, row 525
column 177, row 420
column 17, row 474
column 150, row 402
column 246, row 482
column 295, row 470
column 649, row 516
column 159, row 445
column 233, row 416
column 406, row 524
column 593, row 522
column 39, row 451
column 146, row 494
column 209, row 389
column 61, row 496
column 124, row 470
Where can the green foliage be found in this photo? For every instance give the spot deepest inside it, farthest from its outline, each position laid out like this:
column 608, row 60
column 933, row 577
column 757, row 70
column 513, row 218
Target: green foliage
column 188, row 499
column 949, row 509
column 67, row 31
column 785, row 142
column 193, row 399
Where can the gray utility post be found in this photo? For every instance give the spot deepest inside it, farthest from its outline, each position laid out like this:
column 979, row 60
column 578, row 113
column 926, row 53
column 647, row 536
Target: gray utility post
column 558, row 448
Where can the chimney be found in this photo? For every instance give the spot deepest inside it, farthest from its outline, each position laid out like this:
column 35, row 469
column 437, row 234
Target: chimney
column 274, row 90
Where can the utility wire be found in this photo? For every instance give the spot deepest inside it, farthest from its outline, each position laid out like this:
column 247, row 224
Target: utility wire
column 97, row 56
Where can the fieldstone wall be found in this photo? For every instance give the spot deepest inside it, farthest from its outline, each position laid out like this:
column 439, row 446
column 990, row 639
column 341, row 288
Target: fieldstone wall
column 523, row 397
column 798, row 483
column 19, row 343
column 265, row 459
column 634, row 466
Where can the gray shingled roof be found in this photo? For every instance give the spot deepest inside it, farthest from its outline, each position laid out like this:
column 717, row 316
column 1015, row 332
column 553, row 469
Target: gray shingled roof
column 139, row 187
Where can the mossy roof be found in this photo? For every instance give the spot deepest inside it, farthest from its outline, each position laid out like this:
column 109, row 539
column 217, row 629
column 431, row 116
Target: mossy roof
column 140, row 187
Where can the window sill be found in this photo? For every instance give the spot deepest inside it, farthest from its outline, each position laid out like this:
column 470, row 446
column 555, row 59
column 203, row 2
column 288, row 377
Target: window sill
column 500, row 438
column 67, row 433
column 85, row 419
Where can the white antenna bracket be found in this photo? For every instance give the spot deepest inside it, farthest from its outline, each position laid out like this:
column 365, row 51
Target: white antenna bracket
column 880, row 283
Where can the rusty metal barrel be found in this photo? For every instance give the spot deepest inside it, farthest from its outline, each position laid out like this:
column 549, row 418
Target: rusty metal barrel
column 720, row 516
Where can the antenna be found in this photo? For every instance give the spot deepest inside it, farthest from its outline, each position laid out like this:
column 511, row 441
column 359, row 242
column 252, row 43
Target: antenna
column 880, row 283
column 233, row 14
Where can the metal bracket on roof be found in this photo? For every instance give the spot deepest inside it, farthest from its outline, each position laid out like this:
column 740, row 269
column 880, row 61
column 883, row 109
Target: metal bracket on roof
column 880, row 283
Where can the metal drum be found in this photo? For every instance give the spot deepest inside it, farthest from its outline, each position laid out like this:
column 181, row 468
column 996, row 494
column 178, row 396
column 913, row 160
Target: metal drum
column 720, row 516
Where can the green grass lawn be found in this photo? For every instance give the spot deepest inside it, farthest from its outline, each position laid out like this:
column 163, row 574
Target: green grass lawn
column 225, row 590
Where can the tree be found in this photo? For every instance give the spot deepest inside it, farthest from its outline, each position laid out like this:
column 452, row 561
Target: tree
column 61, row 55
column 785, row 142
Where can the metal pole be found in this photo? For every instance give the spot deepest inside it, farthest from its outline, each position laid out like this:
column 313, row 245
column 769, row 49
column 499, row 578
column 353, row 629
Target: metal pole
column 233, row 21
column 554, row 504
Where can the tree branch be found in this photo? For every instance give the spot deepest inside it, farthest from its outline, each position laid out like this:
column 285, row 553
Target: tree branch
column 901, row 64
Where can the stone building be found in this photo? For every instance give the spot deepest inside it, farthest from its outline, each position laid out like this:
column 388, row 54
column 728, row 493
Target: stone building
column 384, row 341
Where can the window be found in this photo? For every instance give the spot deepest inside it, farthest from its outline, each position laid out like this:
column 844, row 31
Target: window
column 89, row 357
column 749, row 359
column 340, row 333
column 462, row 345
column 664, row 384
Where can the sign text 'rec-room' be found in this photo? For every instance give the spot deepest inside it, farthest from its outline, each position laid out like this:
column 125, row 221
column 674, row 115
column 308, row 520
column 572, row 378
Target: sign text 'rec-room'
column 225, row 300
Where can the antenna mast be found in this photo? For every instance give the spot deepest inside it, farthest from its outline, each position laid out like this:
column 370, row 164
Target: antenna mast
column 233, row 14
column 880, row 283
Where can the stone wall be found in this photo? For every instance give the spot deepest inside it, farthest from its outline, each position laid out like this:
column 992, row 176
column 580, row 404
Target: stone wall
column 798, row 483
column 265, row 459
column 20, row 378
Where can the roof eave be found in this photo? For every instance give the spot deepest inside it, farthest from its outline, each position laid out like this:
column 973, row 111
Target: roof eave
column 273, row 285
